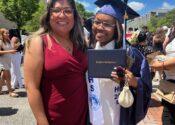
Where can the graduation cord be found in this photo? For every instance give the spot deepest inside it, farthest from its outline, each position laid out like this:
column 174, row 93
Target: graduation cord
column 124, row 30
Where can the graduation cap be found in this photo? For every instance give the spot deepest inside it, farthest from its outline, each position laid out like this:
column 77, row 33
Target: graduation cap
column 119, row 10
column 116, row 8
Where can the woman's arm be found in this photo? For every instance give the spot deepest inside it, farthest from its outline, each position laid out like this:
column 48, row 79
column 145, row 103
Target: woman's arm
column 33, row 66
column 168, row 64
column 6, row 51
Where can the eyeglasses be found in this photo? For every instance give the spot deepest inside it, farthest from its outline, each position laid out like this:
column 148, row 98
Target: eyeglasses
column 66, row 11
column 104, row 23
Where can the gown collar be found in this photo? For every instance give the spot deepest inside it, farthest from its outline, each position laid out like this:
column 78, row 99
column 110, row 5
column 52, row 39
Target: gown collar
column 109, row 45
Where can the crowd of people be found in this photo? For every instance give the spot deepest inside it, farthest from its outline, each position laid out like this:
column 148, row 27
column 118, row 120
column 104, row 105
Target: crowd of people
column 163, row 65
column 10, row 61
column 58, row 86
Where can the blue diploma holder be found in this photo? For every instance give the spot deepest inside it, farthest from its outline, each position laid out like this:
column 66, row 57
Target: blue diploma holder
column 102, row 62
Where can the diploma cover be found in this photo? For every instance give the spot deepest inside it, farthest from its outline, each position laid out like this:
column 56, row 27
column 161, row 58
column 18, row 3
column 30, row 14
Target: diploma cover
column 102, row 62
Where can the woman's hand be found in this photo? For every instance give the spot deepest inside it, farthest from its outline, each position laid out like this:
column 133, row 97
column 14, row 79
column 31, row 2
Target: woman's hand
column 13, row 51
column 132, row 81
column 156, row 65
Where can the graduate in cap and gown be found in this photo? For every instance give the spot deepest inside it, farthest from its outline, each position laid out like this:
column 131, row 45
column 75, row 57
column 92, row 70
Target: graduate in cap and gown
column 103, row 93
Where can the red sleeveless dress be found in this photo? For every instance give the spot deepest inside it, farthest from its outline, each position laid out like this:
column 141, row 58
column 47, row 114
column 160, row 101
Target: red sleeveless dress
column 63, row 85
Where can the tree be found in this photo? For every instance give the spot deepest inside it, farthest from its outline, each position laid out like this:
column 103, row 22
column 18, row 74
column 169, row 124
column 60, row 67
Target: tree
column 152, row 24
column 34, row 24
column 167, row 20
column 82, row 11
column 18, row 11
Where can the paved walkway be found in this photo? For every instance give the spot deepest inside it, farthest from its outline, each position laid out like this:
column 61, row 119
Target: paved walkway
column 16, row 111
column 154, row 113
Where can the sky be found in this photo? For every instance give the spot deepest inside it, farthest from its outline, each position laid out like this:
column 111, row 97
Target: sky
column 140, row 6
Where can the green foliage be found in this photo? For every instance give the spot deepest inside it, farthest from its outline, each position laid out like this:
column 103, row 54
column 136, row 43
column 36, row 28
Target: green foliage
column 26, row 13
column 18, row 11
column 167, row 20
column 34, row 24
column 82, row 11
column 152, row 25
column 88, row 14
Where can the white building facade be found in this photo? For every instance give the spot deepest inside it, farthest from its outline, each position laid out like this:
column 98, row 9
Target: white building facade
column 136, row 23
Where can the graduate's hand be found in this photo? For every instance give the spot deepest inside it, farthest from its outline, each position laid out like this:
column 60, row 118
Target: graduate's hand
column 115, row 76
column 118, row 74
column 132, row 81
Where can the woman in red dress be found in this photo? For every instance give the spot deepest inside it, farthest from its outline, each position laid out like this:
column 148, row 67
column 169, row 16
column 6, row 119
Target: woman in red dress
column 54, row 67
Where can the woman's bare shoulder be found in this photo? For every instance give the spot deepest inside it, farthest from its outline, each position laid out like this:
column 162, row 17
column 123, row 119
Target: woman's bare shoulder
column 33, row 40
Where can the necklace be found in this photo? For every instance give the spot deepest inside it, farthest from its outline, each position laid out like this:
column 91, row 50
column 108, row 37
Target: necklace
column 66, row 44
column 69, row 49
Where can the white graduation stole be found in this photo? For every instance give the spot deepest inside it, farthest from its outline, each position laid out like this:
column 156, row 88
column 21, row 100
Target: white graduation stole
column 95, row 107
column 94, row 100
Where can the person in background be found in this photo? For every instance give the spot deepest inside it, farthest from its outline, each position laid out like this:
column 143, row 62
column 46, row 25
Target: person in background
column 85, row 31
column 16, row 78
column 1, row 79
column 133, row 39
column 168, row 67
column 1, row 69
column 148, row 35
column 88, row 26
column 170, row 35
column 165, row 29
column 141, row 44
column 5, row 60
column 158, row 39
column 107, row 33
column 55, row 63
column 129, row 33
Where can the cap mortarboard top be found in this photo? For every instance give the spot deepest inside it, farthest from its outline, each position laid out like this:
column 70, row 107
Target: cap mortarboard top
column 116, row 8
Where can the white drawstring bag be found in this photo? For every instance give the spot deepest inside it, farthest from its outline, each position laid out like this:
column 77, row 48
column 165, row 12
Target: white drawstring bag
column 126, row 98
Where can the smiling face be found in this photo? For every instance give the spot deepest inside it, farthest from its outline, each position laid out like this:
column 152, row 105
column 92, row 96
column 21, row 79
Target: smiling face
column 62, row 17
column 103, row 28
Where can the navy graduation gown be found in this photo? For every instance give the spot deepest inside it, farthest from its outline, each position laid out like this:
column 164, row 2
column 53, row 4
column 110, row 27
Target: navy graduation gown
column 142, row 94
